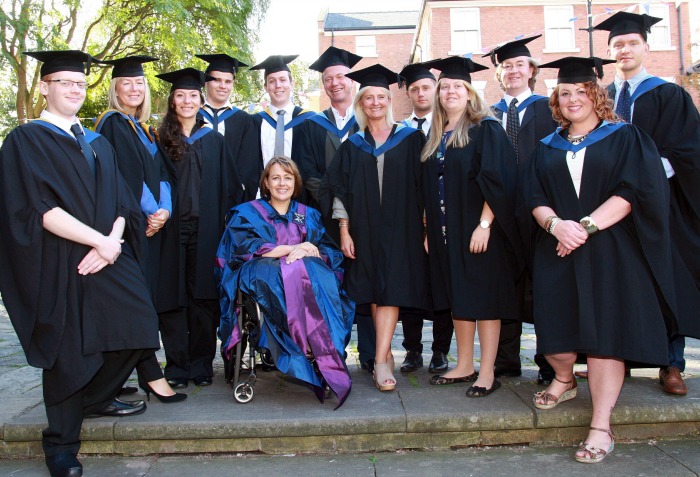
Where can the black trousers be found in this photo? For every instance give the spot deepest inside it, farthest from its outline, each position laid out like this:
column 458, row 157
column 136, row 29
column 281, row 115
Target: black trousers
column 366, row 335
column 189, row 334
column 148, row 368
column 443, row 330
column 66, row 417
column 508, row 355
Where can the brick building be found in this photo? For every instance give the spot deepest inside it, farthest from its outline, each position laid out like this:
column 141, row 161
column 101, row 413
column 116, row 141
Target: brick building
column 379, row 37
column 457, row 27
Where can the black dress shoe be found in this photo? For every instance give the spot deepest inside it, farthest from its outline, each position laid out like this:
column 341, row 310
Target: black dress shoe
column 177, row 383
column 202, row 381
column 127, row 390
column 368, row 365
column 121, row 408
column 413, row 361
column 65, row 464
column 507, row 373
column 543, row 379
column 438, row 363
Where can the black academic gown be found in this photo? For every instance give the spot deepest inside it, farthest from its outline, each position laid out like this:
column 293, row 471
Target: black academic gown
column 475, row 286
column 64, row 320
column 318, row 147
column 220, row 190
column 610, row 296
column 537, row 124
column 243, row 141
column 138, row 166
column 390, row 265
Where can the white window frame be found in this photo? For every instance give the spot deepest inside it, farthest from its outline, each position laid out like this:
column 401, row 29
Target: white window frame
column 459, row 25
column 660, row 36
column 366, row 46
column 557, row 21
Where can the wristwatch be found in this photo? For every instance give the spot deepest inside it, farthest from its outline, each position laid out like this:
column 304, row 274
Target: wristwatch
column 484, row 224
column 589, row 224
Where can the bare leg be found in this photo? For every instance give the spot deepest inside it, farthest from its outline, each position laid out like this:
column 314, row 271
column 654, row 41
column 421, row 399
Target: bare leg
column 464, row 331
column 605, row 379
column 563, row 365
column 385, row 319
column 489, row 331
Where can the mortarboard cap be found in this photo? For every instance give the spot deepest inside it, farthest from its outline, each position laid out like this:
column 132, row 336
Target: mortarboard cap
column 334, row 56
column 455, row 67
column 415, row 72
column 129, row 66
column 623, row 23
column 509, row 50
column 222, row 62
column 575, row 69
column 187, row 78
column 65, row 60
column 375, row 75
column 275, row 63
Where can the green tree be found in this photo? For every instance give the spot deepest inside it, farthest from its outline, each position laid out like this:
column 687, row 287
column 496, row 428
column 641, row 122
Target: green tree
column 173, row 30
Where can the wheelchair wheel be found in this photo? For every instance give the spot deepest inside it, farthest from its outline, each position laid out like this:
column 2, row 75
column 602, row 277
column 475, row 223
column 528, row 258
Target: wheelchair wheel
column 243, row 393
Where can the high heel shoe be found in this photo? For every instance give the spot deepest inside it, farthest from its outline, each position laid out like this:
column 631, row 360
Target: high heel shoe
column 592, row 454
column 177, row 397
column 551, row 401
column 383, row 377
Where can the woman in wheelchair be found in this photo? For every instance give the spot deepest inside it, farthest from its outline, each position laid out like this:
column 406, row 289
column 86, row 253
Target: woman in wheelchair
column 275, row 250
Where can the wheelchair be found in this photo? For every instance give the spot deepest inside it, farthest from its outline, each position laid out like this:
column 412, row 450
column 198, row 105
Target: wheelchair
column 250, row 324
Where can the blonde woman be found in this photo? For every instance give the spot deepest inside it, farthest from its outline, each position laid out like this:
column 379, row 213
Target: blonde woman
column 469, row 183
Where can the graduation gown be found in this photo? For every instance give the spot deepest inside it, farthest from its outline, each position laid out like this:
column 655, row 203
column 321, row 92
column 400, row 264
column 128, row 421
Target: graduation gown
column 220, row 190
column 477, row 286
column 320, row 139
column 140, row 161
column 537, row 124
column 64, row 320
column 243, row 141
column 303, row 302
column 390, row 265
column 610, row 296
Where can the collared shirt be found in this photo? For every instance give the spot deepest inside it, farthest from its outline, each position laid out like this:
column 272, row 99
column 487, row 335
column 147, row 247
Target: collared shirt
column 521, row 97
column 59, row 121
column 340, row 121
column 267, row 133
column 221, row 129
column 426, row 125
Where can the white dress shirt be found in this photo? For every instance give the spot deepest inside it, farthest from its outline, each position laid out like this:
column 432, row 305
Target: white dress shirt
column 267, row 133
column 521, row 97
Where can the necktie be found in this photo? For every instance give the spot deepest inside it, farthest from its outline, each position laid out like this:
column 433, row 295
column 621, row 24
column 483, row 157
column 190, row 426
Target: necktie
column 215, row 118
column 279, row 134
column 84, row 146
column 420, row 122
column 513, row 124
column 624, row 105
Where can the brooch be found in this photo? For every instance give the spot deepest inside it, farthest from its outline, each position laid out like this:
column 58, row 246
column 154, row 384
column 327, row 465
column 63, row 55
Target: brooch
column 299, row 218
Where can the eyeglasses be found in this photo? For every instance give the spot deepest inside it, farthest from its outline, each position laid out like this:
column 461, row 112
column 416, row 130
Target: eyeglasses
column 69, row 83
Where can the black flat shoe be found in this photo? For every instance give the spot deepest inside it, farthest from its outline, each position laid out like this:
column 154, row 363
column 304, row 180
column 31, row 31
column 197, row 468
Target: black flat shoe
column 177, row 383
column 202, row 381
column 120, row 409
column 177, row 397
column 443, row 381
column 478, row 391
column 438, row 363
column 412, row 362
column 65, row 464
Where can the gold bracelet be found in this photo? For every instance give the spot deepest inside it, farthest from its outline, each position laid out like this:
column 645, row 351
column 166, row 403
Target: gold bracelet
column 548, row 221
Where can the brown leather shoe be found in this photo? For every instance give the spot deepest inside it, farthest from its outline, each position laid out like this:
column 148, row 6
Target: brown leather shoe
column 672, row 382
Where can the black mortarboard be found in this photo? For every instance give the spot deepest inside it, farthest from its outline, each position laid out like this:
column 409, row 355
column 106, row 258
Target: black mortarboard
column 577, row 69
column 275, row 63
column 512, row 49
column 334, row 56
column 455, row 67
column 623, row 23
column 415, row 72
column 187, row 78
column 222, row 62
column 65, row 60
column 375, row 75
column 129, row 66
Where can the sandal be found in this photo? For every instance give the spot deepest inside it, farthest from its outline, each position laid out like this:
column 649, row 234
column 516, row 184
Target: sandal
column 552, row 401
column 593, row 454
column 383, row 377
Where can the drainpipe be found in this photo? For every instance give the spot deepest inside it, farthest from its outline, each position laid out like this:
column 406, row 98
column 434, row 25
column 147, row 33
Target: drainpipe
column 680, row 39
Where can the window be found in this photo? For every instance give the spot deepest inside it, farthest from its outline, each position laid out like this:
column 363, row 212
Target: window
column 466, row 33
column 366, row 45
column 660, row 36
column 559, row 34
